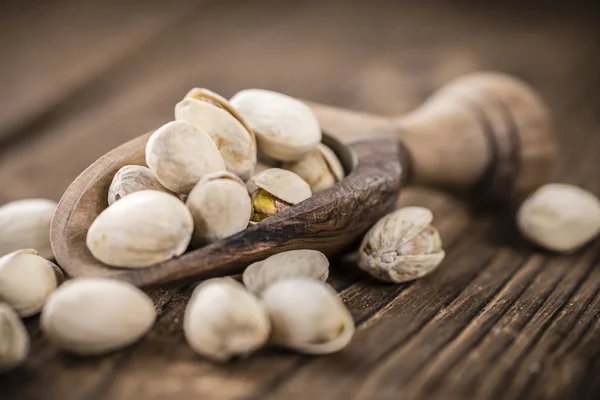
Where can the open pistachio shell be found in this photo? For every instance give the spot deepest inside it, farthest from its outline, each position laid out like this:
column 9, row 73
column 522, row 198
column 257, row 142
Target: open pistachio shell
column 307, row 263
column 321, row 168
column 307, row 316
column 286, row 129
column 213, row 115
column 401, row 246
column 283, row 184
column 220, row 206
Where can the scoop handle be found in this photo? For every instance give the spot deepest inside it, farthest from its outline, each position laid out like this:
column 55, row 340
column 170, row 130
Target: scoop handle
column 486, row 133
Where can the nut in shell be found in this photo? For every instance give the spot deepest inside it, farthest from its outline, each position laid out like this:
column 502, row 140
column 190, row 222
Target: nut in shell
column 14, row 340
column 25, row 224
column 26, row 281
column 220, row 206
column 304, row 263
column 277, row 190
column 213, row 115
column 307, row 316
column 286, row 129
column 401, row 246
column 560, row 217
column 90, row 316
column 180, row 154
column 223, row 320
column 141, row 229
column 321, row 168
column 133, row 178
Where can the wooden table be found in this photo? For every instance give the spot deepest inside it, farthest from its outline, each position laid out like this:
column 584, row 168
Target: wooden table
column 499, row 319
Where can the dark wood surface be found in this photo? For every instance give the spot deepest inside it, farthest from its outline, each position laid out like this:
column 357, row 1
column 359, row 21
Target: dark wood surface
column 499, row 319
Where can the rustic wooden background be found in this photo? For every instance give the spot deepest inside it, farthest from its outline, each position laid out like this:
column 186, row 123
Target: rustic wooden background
column 499, row 319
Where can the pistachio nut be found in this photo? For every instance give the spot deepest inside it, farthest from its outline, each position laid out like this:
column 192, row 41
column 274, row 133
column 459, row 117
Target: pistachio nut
column 401, row 246
column 14, row 339
column 180, row 154
column 26, row 281
column 220, row 206
column 286, row 129
column 93, row 315
column 308, row 263
column 222, row 320
column 141, row 229
column 25, row 224
column 213, row 115
column 133, row 178
column 278, row 189
column 320, row 168
column 260, row 167
column 307, row 316
column 560, row 217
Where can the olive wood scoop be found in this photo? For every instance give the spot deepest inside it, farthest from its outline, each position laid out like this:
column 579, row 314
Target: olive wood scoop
column 485, row 133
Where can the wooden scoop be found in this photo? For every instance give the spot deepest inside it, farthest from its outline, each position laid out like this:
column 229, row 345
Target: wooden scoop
column 486, row 133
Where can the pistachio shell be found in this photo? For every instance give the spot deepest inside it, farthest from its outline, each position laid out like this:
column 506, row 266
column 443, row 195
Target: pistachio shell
column 401, row 246
column 26, row 281
column 307, row 263
column 283, row 184
column 307, row 316
column 141, row 229
column 235, row 143
column 180, row 154
column 286, row 129
column 91, row 316
column 14, row 340
column 321, row 168
column 25, row 224
column 223, row 320
column 220, row 206
column 560, row 217
column 133, row 178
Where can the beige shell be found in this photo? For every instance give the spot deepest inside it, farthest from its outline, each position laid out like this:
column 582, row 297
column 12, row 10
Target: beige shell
column 133, row 178
column 321, row 168
column 25, row 224
column 308, row 263
column 91, row 316
column 14, row 339
column 220, row 206
column 283, row 184
column 26, row 281
column 260, row 167
column 180, row 154
column 213, row 115
column 223, row 320
column 560, row 217
column 141, row 229
column 286, row 129
column 307, row 316
column 401, row 246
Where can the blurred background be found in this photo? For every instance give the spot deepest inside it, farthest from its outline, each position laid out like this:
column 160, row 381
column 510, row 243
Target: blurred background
column 79, row 77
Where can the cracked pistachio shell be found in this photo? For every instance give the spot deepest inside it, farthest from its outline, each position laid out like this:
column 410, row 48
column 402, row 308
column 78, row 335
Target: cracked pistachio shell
column 560, row 217
column 25, row 224
column 14, row 339
column 141, row 229
column 223, row 320
column 286, row 129
column 90, row 316
column 307, row 263
column 307, row 316
column 213, row 115
column 26, row 281
column 401, row 246
column 220, row 206
column 133, row 178
column 321, row 168
column 180, row 154
column 284, row 185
